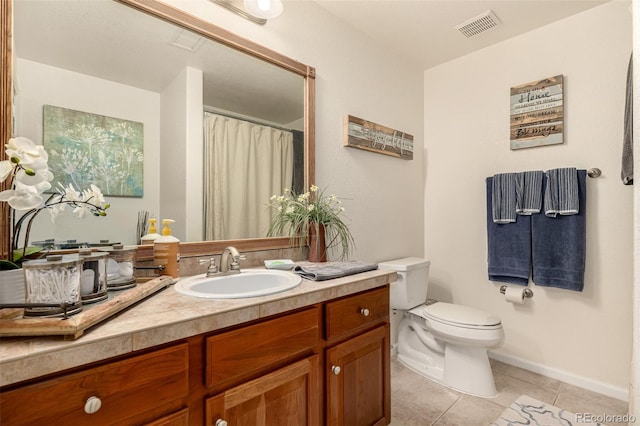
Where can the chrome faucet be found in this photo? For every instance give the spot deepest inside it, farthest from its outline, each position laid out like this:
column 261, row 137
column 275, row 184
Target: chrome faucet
column 232, row 267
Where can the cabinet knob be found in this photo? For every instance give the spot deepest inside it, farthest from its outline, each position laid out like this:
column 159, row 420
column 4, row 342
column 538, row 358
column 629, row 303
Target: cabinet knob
column 336, row 369
column 92, row 405
column 221, row 422
column 365, row 312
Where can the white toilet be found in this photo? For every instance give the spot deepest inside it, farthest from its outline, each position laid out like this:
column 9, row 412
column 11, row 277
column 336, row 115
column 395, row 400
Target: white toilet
column 442, row 341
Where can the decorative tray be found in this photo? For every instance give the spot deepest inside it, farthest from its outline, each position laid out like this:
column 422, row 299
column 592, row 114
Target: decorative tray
column 12, row 322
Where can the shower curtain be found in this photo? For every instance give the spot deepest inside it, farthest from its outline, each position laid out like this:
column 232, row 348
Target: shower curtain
column 244, row 164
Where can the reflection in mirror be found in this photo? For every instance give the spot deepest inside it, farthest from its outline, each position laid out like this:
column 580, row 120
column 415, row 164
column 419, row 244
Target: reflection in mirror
column 107, row 59
column 245, row 164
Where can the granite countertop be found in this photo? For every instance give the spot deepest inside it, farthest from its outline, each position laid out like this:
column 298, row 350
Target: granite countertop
column 165, row 317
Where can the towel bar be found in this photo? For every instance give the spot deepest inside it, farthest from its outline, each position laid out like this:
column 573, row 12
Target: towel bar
column 527, row 292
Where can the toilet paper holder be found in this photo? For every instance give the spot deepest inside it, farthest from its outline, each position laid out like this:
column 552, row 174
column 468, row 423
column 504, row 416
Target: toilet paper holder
column 527, row 292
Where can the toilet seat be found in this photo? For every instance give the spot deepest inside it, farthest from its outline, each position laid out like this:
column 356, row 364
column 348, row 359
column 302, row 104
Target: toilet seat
column 457, row 316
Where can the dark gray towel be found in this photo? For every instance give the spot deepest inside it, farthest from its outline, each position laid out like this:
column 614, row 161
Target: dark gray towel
column 627, row 142
column 559, row 245
column 329, row 270
column 509, row 246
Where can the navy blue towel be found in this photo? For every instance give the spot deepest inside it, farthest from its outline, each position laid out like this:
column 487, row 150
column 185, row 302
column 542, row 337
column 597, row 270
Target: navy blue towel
column 559, row 245
column 509, row 246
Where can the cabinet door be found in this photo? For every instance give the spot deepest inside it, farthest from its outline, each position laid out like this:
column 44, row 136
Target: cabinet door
column 288, row 396
column 359, row 381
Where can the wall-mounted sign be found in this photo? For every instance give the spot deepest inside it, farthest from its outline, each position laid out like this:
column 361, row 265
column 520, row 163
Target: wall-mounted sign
column 537, row 113
column 363, row 134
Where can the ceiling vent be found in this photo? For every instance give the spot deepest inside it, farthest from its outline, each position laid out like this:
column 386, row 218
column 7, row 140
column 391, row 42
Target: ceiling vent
column 479, row 24
column 188, row 41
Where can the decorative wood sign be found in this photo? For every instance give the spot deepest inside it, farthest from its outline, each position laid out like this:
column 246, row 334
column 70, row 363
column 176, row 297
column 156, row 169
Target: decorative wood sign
column 537, row 113
column 363, row 134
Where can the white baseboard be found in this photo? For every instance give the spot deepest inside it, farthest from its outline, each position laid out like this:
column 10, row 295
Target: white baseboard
column 564, row 376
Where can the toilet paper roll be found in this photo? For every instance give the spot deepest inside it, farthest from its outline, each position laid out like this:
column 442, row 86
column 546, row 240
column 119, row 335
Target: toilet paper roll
column 514, row 295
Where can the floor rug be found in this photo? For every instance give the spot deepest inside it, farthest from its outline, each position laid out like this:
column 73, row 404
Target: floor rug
column 528, row 411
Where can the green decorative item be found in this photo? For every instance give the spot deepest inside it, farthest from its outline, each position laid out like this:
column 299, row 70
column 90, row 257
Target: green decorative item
column 307, row 218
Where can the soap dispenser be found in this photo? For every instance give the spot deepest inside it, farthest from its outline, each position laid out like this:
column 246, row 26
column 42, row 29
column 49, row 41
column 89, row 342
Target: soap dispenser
column 152, row 235
column 166, row 250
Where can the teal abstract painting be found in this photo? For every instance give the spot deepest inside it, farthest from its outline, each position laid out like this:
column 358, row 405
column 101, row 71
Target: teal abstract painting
column 87, row 149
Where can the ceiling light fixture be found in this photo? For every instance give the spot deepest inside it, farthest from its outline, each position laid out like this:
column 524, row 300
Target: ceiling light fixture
column 256, row 11
column 265, row 9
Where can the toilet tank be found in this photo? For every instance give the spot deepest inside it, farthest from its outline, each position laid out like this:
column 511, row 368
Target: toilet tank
column 410, row 290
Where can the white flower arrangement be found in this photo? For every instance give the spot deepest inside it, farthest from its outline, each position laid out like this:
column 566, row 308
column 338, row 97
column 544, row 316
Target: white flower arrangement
column 28, row 170
column 295, row 214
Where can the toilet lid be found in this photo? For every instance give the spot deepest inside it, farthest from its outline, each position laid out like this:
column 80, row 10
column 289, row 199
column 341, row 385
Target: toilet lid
column 458, row 314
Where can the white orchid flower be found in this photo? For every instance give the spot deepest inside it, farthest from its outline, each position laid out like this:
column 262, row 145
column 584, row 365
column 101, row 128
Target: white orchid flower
column 82, row 210
column 5, row 169
column 23, row 197
column 95, row 196
column 40, row 180
column 28, row 153
column 70, row 193
column 56, row 209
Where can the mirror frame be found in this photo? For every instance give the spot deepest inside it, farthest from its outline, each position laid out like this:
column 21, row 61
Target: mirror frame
column 178, row 17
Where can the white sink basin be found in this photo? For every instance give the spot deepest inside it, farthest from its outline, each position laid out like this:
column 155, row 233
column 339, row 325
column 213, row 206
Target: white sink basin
column 248, row 283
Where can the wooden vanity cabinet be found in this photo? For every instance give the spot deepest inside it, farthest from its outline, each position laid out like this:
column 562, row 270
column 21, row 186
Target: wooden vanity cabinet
column 357, row 360
column 148, row 388
column 324, row 364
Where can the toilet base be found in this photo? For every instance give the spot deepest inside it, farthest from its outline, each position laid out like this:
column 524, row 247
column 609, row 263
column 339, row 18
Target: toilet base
column 464, row 369
column 468, row 370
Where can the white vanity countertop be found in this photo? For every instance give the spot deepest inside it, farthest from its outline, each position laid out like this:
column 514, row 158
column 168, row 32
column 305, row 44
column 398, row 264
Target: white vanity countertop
column 165, row 317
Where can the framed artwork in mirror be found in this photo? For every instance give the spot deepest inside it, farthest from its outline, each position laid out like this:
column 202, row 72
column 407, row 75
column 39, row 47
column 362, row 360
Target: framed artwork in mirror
column 86, row 148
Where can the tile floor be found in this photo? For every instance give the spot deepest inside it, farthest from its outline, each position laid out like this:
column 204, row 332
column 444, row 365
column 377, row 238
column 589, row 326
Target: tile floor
column 416, row 400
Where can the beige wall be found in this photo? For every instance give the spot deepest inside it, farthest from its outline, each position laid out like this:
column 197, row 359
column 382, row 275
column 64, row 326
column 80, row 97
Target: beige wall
column 437, row 200
column 383, row 196
column 585, row 337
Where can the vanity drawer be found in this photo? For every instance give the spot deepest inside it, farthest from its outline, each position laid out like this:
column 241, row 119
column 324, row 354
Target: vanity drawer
column 139, row 389
column 239, row 354
column 352, row 313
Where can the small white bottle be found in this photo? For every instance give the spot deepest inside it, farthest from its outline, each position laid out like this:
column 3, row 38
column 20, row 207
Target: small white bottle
column 166, row 251
column 152, row 235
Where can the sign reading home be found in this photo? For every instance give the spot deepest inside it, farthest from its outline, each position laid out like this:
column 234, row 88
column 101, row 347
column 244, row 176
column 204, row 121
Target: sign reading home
column 537, row 113
column 363, row 134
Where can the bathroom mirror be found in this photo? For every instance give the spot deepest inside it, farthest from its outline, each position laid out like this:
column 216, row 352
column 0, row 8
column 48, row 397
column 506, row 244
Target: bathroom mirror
column 235, row 76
